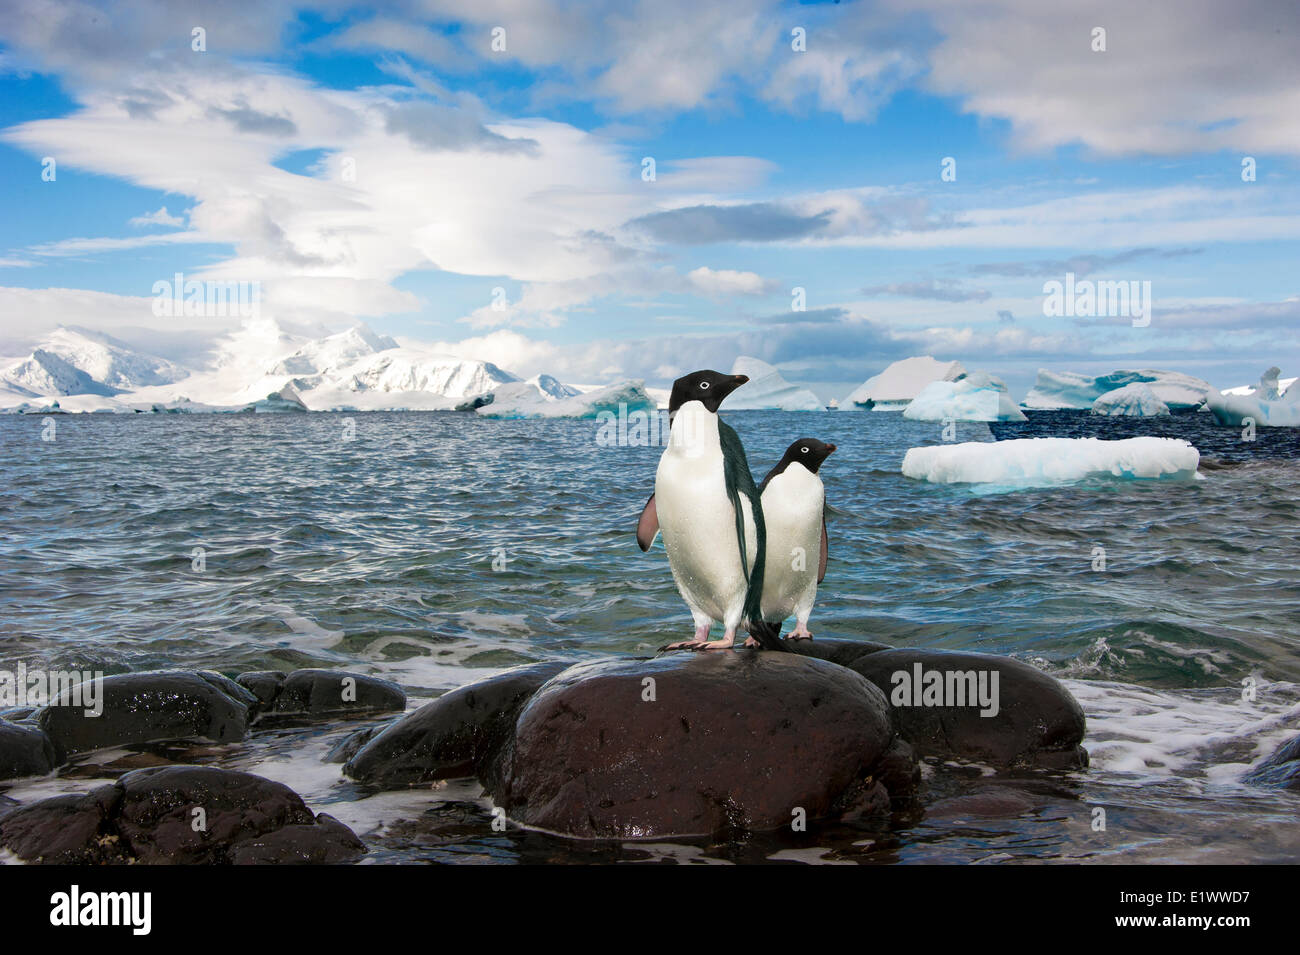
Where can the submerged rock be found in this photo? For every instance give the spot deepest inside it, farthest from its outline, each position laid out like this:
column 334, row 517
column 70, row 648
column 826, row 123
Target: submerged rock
column 25, row 751
column 1280, row 769
column 326, row 694
column 150, row 708
column 1034, row 720
column 178, row 814
column 457, row 734
column 695, row 744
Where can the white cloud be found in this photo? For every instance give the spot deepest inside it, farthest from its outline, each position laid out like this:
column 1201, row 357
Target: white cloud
column 158, row 217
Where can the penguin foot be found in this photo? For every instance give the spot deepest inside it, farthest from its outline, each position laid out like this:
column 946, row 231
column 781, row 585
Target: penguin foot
column 726, row 643
column 800, row 632
column 684, row 645
column 751, row 643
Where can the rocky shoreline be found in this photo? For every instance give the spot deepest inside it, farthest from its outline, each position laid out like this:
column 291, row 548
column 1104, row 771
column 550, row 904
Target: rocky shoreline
column 680, row 745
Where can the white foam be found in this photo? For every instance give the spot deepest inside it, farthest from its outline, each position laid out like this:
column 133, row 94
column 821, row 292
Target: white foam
column 1050, row 461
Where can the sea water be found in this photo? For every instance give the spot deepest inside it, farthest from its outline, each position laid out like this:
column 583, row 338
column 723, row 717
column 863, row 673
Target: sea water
column 435, row 549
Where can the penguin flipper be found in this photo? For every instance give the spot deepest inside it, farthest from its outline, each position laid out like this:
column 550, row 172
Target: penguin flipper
column 647, row 527
column 825, row 549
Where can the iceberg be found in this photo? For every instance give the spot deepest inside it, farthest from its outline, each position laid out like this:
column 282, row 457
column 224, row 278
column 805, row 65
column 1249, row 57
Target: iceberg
column 1271, row 404
column 1052, row 461
column 1136, row 400
column 544, row 397
column 286, row 399
column 895, row 387
column 1272, row 386
column 1055, row 391
column 768, row 390
column 973, row 397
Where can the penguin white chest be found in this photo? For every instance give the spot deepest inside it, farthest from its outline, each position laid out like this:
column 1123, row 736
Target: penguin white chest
column 697, row 521
column 792, row 510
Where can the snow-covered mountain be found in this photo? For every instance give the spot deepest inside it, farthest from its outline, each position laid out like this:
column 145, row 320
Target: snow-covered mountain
column 73, row 361
column 337, row 351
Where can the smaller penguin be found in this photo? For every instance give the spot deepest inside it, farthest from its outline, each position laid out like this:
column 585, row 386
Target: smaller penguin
column 794, row 508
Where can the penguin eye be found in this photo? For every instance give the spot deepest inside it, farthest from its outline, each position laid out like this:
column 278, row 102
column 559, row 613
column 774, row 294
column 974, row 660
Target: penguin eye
column 704, row 386
column 803, row 450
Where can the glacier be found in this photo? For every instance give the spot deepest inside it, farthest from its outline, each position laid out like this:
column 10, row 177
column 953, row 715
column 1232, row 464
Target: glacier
column 1271, row 404
column 1055, row 391
column 1135, row 400
column 768, row 390
column 897, row 385
column 974, row 397
column 1052, row 461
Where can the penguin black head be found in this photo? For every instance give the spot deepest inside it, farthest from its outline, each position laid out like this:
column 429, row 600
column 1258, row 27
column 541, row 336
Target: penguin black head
column 807, row 451
column 706, row 387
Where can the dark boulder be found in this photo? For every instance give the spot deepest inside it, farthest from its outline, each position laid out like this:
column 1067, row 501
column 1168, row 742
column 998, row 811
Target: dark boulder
column 454, row 735
column 1037, row 722
column 150, row 708
column 178, row 814
column 76, row 829
column 1282, row 768
column 263, row 684
column 25, row 751
column 327, row 694
column 695, row 744
column 843, row 652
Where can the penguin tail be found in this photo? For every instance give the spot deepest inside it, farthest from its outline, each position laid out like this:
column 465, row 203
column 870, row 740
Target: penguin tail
column 768, row 635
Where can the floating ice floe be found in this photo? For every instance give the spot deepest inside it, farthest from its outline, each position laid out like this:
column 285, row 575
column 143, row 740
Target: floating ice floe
column 1135, row 400
column 538, row 399
column 1048, row 461
column 768, row 390
column 1055, row 391
column 895, row 387
column 974, row 397
column 1272, row 404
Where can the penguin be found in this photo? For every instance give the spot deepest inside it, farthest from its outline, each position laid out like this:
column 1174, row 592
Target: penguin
column 707, row 508
column 794, row 509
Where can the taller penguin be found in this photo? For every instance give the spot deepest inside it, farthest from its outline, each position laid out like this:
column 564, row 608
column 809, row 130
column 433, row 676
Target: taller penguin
column 707, row 508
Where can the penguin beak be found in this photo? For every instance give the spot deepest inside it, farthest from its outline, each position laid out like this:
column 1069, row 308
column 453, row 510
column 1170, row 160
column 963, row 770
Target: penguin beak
column 739, row 380
column 830, row 449
column 728, row 385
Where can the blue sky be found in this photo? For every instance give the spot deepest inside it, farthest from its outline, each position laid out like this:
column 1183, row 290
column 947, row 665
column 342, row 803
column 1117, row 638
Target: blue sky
column 776, row 168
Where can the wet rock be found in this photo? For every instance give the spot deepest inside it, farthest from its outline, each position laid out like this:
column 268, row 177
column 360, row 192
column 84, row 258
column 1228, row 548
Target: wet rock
column 149, row 708
column 457, row 734
column 327, row 694
column 75, row 829
column 843, row 652
column 263, row 684
column 1280, row 769
column 695, row 744
column 15, row 713
column 325, row 842
column 350, row 745
column 25, row 751
column 986, row 804
column 178, row 814
column 229, row 687
column 1037, row 723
